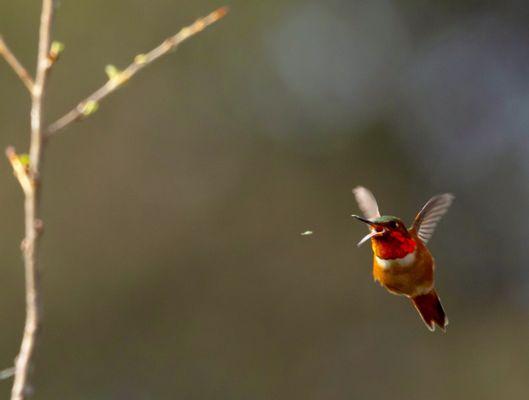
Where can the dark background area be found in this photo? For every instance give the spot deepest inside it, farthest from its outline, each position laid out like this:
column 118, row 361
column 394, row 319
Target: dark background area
column 173, row 261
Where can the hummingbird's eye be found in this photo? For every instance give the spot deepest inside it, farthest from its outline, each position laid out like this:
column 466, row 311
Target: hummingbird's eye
column 394, row 224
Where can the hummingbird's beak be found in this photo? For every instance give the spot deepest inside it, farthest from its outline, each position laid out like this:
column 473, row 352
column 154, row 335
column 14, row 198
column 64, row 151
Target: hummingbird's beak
column 371, row 234
column 365, row 221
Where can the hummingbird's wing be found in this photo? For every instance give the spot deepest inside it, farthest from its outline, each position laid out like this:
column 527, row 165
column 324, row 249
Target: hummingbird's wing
column 366, row 202
column 427, row 219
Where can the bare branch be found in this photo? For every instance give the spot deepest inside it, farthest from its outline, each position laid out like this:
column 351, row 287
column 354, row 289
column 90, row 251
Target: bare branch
column 27, row 168
column 33, row 225
column 16, row 65
column 89, row 104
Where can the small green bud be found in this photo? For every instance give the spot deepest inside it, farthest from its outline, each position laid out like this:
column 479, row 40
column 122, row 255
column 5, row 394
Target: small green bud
column 111, row 71
column 90, row 107
column 57, row 47
column 140, row 59
column 24, row 159
column 55, row 50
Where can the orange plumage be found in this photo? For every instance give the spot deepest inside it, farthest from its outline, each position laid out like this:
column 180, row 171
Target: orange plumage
column 401, row 278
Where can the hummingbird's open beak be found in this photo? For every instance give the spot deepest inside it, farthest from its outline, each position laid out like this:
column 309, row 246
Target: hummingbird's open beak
column 366, row 221
column 371, row 234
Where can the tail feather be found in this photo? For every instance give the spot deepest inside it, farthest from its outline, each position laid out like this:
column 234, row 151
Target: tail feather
column 430, row 309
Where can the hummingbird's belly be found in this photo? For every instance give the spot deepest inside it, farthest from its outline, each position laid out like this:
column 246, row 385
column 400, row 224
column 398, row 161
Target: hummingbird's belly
column 410, row 275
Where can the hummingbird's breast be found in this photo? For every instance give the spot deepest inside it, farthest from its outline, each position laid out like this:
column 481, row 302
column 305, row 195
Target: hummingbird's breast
column 410, row 275
column 394, row 245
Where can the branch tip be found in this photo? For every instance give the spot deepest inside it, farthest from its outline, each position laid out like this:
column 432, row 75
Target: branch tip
column 221, row 12
column 7, row 373
column 17, row 67
column 10, row 151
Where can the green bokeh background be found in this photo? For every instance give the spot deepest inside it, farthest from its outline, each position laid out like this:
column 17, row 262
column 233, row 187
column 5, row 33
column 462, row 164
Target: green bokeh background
column 173, row 261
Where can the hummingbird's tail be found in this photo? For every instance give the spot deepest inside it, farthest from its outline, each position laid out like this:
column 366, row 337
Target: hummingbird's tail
column 429, row 307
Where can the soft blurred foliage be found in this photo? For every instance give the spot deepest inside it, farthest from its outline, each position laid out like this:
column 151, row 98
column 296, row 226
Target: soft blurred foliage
column 173, row 261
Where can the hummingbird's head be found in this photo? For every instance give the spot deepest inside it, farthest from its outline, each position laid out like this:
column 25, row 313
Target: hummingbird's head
column 389, row 236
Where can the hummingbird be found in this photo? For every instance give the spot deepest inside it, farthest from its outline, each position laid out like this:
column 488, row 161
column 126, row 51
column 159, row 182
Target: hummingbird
column 401, row 261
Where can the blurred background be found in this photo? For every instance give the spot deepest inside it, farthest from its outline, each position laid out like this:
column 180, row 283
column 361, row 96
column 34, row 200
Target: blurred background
column 173, row 261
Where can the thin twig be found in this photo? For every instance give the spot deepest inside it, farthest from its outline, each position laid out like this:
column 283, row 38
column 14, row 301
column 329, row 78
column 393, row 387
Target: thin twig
column 24, row 361
column 20, row 170
column 7, row 373
column 16, row 65
column 89, row 104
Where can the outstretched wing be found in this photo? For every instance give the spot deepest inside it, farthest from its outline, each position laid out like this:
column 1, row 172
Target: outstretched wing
column 427, row 219
column 366, row 202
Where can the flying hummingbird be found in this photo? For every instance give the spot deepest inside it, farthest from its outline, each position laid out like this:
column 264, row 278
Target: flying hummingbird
column 401, row 261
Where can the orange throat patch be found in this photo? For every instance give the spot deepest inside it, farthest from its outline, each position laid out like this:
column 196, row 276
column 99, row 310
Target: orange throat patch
column 393, row 245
